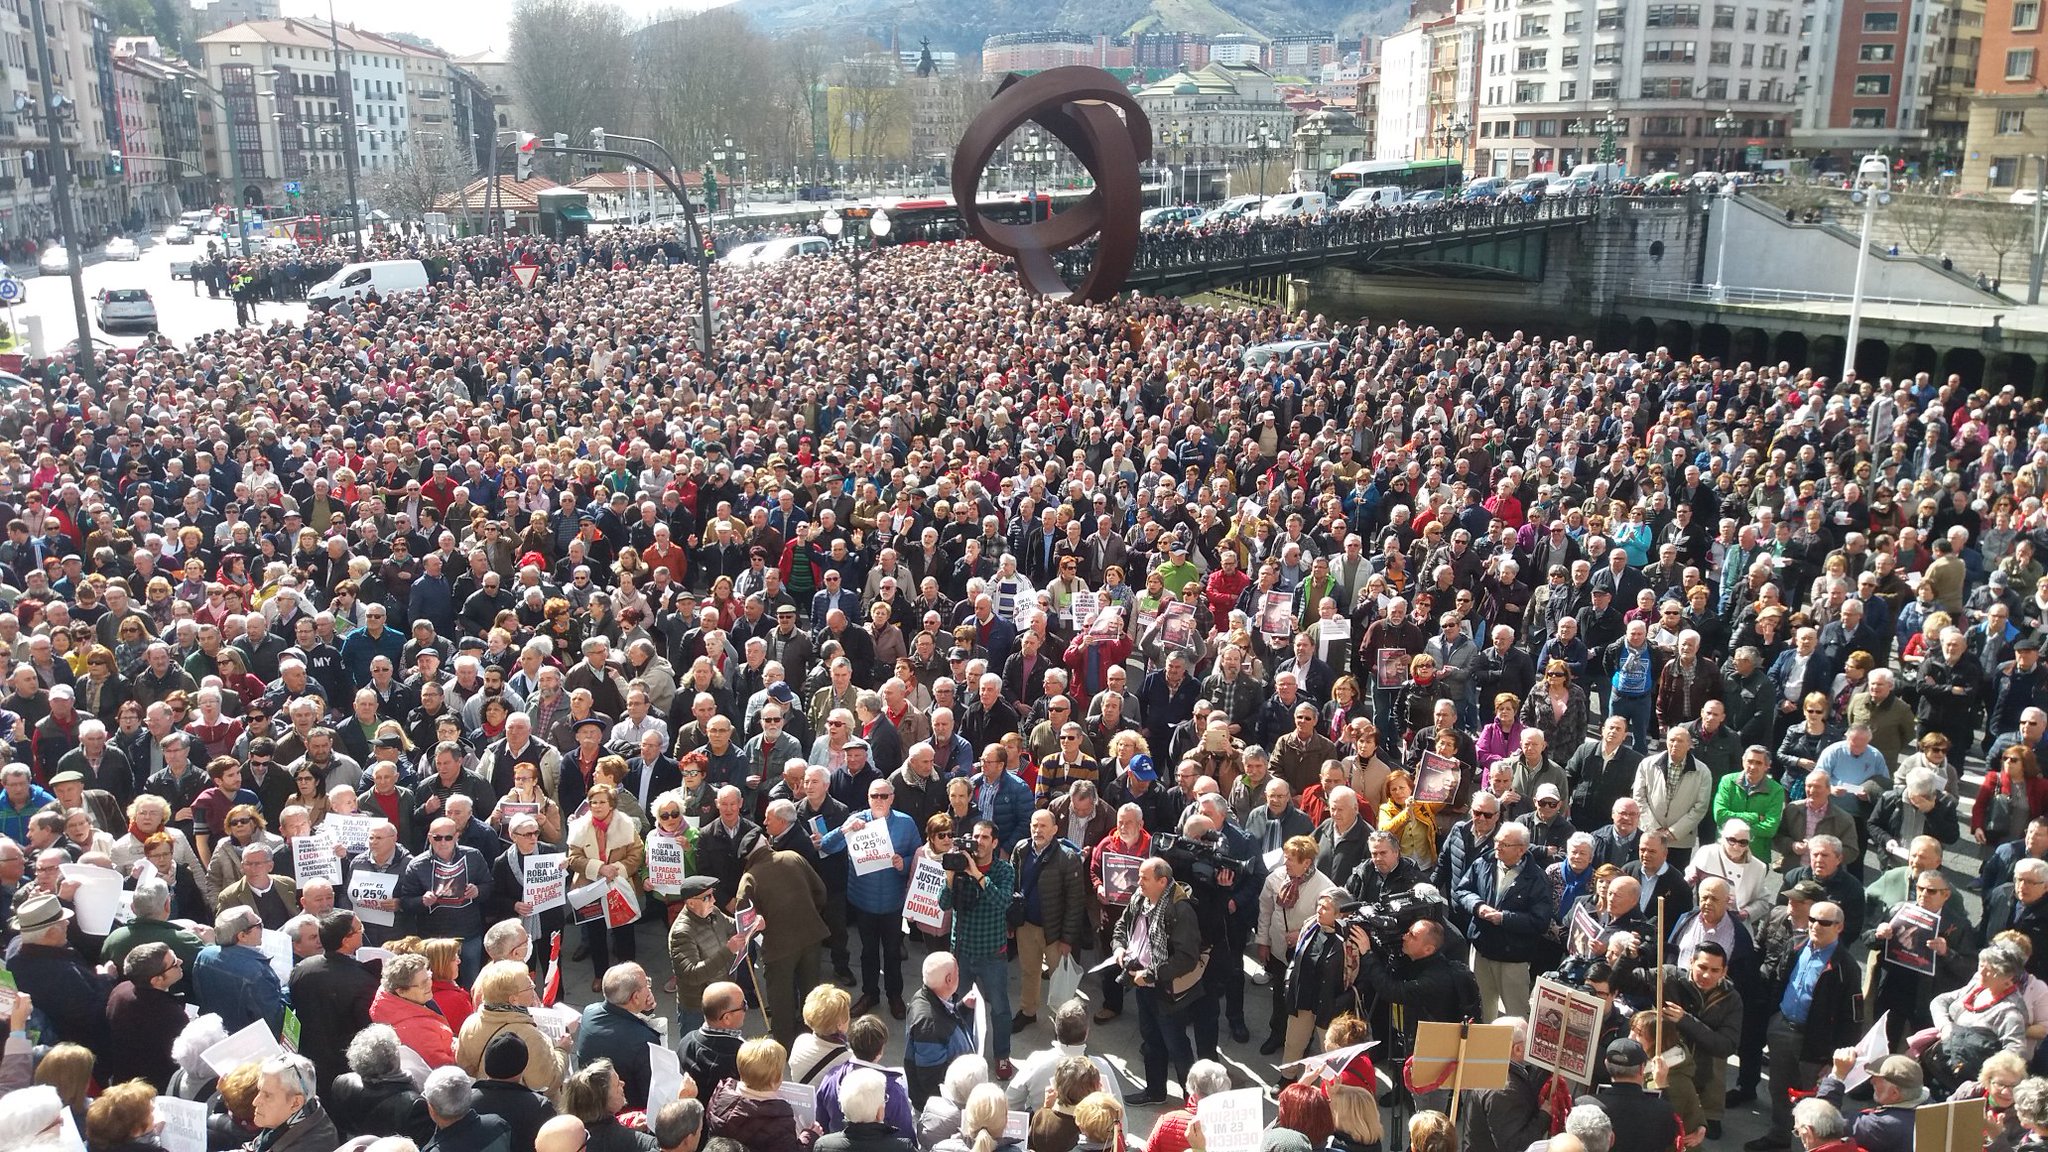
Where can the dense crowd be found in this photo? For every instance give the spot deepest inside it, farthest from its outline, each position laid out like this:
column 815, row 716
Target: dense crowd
column 367, row 674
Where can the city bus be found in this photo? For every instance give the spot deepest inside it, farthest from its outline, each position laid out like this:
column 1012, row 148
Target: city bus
column 1410, row 176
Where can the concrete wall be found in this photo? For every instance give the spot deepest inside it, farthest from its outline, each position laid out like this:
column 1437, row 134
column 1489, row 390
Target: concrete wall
column 1765, row 251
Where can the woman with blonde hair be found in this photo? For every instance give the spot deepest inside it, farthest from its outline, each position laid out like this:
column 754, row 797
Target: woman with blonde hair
column 604, row 844
column 68, row 1069
column 1431, row 1131
column 827, row 1012
column 1099, row 1120
column 982, row 1121
column 751, row 1110
column 505, row 997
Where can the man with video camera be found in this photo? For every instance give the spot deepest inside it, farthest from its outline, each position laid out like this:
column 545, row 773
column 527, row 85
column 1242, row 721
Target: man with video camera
column 1203, row 864
column 1422, row 983
column 1159, row 946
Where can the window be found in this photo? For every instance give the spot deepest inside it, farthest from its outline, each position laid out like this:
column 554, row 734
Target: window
column 1670, row 52
column 2019, row 64
column 1866, row 118
column 1717, row 88
column 1568, row 90
column 1568, row 58
column 1663, row 125
column 1875, row 84
column 1875, row 53
column 1606, row 53
column 1724, row 16
column 1527, row 92
column 2012, row 123
column 2005, row 171
column 1606, row 89
column 1608, row 20
column 1532, row 59
column 1671, row 16
column 1748, row 55
column 1718, row 54
column 234, row 49
column 1546, row 127
column 2026, row 15
column 1574, row 22
column 1534, row 27
column 1667, row 88
column 1880, row 23
column 1525, row 129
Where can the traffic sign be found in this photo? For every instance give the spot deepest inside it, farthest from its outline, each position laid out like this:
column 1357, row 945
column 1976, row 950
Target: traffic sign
column 525, row 274
column 291, row 187
column 11, row 291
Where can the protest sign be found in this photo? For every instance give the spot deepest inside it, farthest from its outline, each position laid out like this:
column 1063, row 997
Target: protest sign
column 1119, row 876
column 921, row 902
column 1233, row 1121
column 870, row 849
column 1564, row 1030
column 665, row 1077
column 365, row 886
column 586, row 904
column 1910, row 944
column 803, row 1101
column 547, row 881
column 1436, row 781
column 665, row 863
column 313, row 859
column 1276, row 617
column 184, row 1124
column 253, row 1044
column 98, row 899
column 351, row 830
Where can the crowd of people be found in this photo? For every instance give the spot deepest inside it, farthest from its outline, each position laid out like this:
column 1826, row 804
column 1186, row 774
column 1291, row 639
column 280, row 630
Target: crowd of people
column 395, row 663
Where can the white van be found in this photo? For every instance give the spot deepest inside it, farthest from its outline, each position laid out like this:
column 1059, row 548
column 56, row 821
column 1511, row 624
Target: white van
column 1289, row 205
column 1382, row 196
column 789, row 248
column 354, row 281
column 1609, row 173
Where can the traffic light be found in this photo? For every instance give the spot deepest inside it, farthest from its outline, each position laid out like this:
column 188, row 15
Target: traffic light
column 527, row 140
column 710, row 189
column 561, row 139
column 597, row 138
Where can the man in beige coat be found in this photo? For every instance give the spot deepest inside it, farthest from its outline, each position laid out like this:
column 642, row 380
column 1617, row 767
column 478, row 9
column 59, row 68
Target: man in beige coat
column 786, row 891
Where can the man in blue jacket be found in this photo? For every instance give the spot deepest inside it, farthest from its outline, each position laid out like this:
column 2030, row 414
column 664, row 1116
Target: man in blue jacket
column 876, row 894
column 1506, row 898
column 233, row 979
column 616, row 1029
column 1002, row 797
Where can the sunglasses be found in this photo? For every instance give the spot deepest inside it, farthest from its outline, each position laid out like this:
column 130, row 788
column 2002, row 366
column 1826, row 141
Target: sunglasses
column 1825, row 923
column 241, row 822
column 442, row 839
column 1738, row 840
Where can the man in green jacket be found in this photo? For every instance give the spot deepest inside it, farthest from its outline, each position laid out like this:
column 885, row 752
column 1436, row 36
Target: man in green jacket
column 152, row 924
column 1752, row 797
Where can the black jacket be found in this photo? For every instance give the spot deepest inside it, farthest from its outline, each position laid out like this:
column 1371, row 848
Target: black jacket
column 1319, row 977
column 710, row 1056
column 521, row 1108
column 1831, row 1021
column 1641, row 1121
column 864, row 1137
column 331, row 994
column 1433, row 988
column 473, row 1133
column 1508, row 1119
column 387, row 1107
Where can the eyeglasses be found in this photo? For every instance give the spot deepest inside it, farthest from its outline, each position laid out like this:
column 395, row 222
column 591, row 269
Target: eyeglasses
column 1819, row 923
column 1547, row 803
column 441, row 839
column 669, row 816
column 1737, row 839
column 1056, row 708
column 835, row 723
column 240, row 822
column 1478, row 815
column 1553, row 675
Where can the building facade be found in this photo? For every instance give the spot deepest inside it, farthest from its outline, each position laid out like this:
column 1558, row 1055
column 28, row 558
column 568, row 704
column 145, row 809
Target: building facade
column 1052, row 48
column 1659, row 75
column 1868, row 71
column 2008, row 117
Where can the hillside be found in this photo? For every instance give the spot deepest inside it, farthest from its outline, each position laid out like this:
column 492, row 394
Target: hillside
column 963, row 27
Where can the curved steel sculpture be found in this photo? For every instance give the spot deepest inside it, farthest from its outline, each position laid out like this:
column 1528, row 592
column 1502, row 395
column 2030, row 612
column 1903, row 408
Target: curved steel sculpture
column 1079, row 106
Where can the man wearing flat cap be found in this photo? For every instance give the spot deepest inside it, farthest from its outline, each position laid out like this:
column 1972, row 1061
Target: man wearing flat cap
column 1897, row 1087
column 71, row 996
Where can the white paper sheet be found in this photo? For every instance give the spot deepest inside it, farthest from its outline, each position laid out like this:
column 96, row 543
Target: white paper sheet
column 98, row 900
column 366, row 885
column 253, row 1043
column 1233, row 1121
column 665, row 1077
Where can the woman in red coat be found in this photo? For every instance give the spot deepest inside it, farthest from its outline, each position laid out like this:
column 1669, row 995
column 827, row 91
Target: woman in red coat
column 2016, row 792
column 405, row 1000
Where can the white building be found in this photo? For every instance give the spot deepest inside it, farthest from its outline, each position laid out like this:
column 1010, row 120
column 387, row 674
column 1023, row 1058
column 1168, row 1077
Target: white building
column 1401, row 130
column 1665, row 73
column 1202, row 120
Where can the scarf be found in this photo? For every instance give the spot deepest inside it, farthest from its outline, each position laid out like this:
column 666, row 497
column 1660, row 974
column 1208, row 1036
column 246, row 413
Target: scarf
column 1289, row 893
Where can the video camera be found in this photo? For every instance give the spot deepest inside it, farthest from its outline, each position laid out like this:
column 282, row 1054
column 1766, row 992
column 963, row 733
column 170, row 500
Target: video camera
column 1207, row 850
column 1388, row 919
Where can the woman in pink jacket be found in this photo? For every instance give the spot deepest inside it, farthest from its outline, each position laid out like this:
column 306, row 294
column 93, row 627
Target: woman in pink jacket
column 406, row 1003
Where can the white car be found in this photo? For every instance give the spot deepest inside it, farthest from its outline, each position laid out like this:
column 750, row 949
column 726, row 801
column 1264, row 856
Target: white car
column 127, row 308
column 122, row 248
column 177, row 234
column 54, row 261
column 742, row 255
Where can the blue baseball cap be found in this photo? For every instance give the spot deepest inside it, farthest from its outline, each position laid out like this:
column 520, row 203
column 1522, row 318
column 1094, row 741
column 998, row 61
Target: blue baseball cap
column 1141, row 767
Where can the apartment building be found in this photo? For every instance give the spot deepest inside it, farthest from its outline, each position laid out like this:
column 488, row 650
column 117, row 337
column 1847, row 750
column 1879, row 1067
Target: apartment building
column 1869, row 73
column 2008, row 116
column 1658, row 76
column 163, row 163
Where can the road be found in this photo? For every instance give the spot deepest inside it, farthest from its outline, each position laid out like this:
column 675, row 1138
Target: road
column 184, row 310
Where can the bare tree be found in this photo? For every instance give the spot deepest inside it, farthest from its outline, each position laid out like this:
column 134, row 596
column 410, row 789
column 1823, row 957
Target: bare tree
column 1922, row 221
column 873, row 115
column 2003, row 228
column 570, row 64
column 430, row 172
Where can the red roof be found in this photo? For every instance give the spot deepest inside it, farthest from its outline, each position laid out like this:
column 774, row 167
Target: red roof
column 517, row 195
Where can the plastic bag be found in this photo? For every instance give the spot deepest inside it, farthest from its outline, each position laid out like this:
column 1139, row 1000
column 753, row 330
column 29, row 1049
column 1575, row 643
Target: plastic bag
column 1066, row 982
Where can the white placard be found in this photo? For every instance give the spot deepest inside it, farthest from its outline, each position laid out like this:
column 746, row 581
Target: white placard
column 313, row 859
column 351, row 829
column 553, row 1019
column 252, row 1044
column 1081, row 608
column 277, row 948
column 1017, row 1127
column 803, row 1100
column 365, row 886
column 983, row 1042
column 870, row 849
column 1233, row 1121
column 1874, row 1046
column 368, row 954
column 664, row 1077
column 547, row 881
column 921, row 902
column 184, row 1124
column 98, row 900
column 1334, row 628
column 665, row 863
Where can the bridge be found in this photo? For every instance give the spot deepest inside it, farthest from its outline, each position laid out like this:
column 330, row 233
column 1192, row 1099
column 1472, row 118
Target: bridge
column 1460, row 239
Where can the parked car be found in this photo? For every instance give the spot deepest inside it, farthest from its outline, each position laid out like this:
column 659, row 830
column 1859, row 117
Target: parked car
column 1152, row 218
column 126, row 308
column 789, row 248
column 1529, row 187
column 741, row 255
column 55, row 261
column 1569, row 186
column 1427, row 196
column 177, row 234
column 1383, row 196
column 1293, row 205
column 122, row 248
column 1484, row 188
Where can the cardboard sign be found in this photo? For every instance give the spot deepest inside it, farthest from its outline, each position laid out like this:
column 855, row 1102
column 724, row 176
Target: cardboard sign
column 1911, row 943
column 350, row 830
column 1178, row 628
column 1390, row 667
column 1120, row 876
column 313, row 859
column 1564, row 1030
column 365, row 886
column 803, row 1101
column 547, row 881
column 870, row 849
column 1464, row 1057
column 1437, row 777
column 1233, row 1121
column 1953, row 1127
column 451, row 883
column 252, row 1045
column 1276, row 617
column 665, row 863
column 184, row 1124
column 921, row 902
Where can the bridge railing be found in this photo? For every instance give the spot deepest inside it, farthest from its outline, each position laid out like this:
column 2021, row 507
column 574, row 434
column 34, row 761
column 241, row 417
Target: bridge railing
column 1728, row 294
column 1178, row 251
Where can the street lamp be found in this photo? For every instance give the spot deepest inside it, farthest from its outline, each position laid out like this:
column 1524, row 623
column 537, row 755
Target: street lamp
column 1446, row 132
column 1312, row 135
column 729, row 157
column 1032, row 153
column 1175, row 140
column 1264, row 143
column 1724, row 126
column 1873, row 190
column 848, row 244
column 1608, row 126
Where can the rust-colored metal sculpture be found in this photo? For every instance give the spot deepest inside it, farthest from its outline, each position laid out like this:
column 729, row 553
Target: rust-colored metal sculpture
column 1079, row 106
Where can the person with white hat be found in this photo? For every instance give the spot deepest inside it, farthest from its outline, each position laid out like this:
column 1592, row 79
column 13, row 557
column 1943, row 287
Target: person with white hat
column 71, row 995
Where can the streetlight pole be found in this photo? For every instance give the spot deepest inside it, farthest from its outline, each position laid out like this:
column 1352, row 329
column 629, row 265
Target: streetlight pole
column 1609, row 127
column 345, row 90
column 1263, row 142
column 1873, row 189
column 1726, row 213
column 699, row 238
column 52, row 114
column 728, row 158
column 848, row 246
column 1724, row 125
